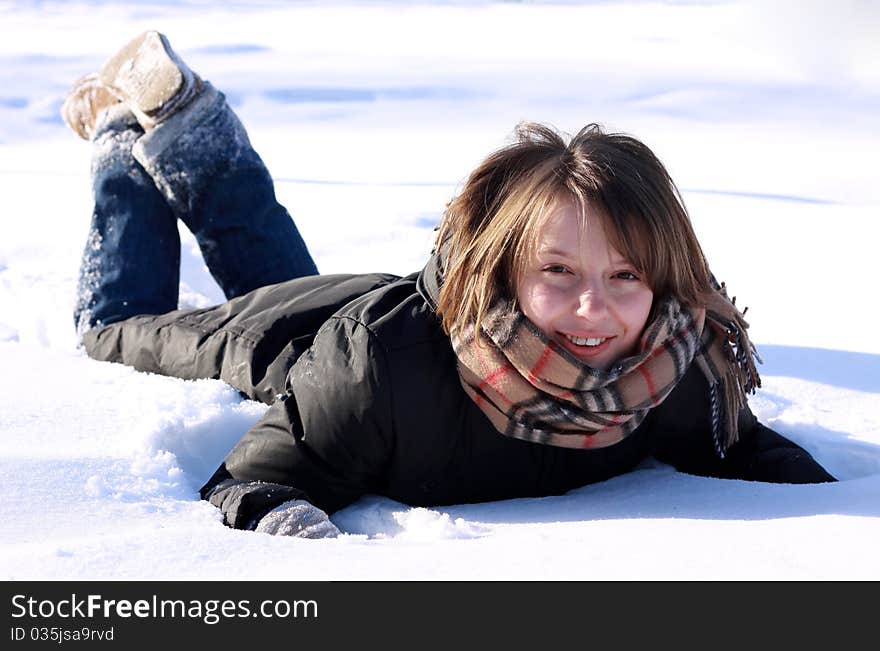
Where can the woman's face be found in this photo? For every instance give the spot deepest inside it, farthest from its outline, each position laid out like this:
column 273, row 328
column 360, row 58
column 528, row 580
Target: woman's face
column 581, row 292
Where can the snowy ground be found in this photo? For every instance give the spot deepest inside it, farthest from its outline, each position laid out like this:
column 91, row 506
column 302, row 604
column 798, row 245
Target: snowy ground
column 369, row 116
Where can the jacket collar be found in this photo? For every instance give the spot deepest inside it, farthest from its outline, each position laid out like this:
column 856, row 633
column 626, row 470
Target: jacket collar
column 429, row 280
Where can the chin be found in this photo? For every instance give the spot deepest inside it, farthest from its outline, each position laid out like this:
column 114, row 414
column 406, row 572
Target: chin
column 599, row 366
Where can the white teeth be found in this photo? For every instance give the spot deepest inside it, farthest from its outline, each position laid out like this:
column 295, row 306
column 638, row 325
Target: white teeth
column 585, row 341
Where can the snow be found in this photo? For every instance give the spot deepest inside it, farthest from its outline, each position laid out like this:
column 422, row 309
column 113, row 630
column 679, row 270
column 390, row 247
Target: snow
column 370, row 115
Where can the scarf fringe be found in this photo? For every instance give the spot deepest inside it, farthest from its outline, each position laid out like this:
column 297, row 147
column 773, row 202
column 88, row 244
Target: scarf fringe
column 739, row 374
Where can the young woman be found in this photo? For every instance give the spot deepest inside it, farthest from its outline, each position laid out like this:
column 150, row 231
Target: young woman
column 566, row 327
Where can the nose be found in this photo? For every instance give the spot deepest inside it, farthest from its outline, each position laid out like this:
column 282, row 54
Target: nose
column 592, row 302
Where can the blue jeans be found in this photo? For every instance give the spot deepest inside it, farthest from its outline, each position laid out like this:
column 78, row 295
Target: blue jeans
column 198, row 166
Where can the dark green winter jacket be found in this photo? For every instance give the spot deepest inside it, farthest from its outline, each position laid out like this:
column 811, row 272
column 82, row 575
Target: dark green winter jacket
column 365, row 398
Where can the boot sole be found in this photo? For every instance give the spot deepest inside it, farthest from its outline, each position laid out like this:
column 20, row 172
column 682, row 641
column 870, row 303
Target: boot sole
column 145, row 73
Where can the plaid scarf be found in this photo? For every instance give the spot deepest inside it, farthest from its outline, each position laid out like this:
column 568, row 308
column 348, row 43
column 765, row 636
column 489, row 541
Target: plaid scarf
column 533, row 389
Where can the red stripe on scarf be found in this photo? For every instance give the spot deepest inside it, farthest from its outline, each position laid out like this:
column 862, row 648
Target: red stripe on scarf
column 589, row 440
column 650, row 381
column 489, row 381
column 540, row 364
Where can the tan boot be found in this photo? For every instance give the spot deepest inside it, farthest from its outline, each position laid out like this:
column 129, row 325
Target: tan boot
column 85, row 100
column 150, row 78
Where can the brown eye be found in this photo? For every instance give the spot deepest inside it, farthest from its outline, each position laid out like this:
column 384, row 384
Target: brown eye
column 626, row 275
column 555, row 269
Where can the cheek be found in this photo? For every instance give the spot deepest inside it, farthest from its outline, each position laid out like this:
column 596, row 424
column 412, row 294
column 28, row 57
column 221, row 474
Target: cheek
column 635, row 308
column 538, row 302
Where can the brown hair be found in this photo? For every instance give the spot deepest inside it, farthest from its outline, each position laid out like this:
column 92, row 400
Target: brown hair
column 490, row 228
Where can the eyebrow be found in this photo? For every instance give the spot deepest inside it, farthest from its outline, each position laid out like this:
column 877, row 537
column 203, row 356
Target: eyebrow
column 554, row 251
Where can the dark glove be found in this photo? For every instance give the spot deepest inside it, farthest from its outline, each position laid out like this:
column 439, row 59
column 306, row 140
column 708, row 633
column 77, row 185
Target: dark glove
column 299, row 519
column 764, row 455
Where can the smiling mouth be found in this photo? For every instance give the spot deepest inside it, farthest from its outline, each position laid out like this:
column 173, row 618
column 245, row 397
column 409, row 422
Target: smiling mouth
column 587, row 342
column 587, row 348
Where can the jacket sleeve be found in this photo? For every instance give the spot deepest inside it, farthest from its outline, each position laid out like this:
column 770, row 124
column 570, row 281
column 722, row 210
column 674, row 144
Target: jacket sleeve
column 250, row 342
column 327, row 441
column 682, row 433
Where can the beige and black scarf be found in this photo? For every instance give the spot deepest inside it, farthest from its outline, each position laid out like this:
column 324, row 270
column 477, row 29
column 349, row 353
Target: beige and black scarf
column 533, row 389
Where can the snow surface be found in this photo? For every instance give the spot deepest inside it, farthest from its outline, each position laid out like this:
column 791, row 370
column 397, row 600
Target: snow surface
column 370, row 115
